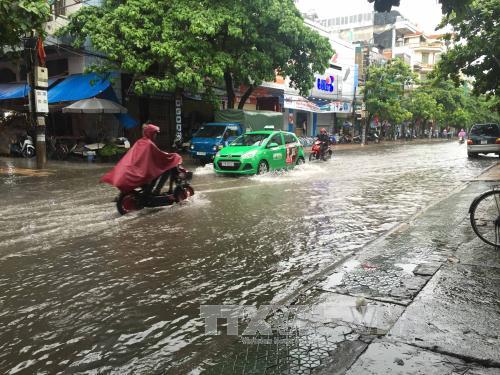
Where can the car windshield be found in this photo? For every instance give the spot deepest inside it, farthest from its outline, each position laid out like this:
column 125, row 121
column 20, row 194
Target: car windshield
column 489, row 130
column 254, row 139
column 210, row 131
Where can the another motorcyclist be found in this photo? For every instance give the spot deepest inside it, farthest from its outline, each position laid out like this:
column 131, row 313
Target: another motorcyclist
column 461, row 135
column 144, row 165
column 324, row 138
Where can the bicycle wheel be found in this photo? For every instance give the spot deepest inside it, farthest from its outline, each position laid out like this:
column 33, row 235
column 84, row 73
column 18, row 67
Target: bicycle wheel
column 485, row 217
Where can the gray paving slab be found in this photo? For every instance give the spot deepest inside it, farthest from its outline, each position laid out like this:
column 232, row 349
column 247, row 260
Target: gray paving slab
column 457, row 312
column 388, row 358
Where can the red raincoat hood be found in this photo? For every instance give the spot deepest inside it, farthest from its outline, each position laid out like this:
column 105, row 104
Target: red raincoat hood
column 142, row 163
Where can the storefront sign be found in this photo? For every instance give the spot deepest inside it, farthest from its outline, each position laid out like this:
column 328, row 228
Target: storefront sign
column 327, row 84
column 337, row 107
column 303, row 104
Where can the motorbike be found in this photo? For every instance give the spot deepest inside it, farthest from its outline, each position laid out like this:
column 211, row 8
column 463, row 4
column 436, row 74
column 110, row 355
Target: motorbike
column 461, row 140
column 24, row 147
column 373, row 137
column 316, row 152
column 140, row 198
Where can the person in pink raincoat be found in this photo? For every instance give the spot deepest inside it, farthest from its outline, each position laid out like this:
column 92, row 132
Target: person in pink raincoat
column 144, row 165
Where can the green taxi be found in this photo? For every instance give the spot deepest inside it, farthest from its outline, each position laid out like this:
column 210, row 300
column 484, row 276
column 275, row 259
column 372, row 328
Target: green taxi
column 258, row 152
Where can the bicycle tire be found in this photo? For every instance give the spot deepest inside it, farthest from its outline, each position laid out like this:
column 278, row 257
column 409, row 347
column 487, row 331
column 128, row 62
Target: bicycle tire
column 482, row 224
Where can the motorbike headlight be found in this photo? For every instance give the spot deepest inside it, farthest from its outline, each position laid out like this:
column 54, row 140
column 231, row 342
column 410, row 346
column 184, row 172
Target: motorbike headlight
column 214, row 148
column 249, row 154
column 191, row 147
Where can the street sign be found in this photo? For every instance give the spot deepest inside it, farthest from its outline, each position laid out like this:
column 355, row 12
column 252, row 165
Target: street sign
column 41, row 103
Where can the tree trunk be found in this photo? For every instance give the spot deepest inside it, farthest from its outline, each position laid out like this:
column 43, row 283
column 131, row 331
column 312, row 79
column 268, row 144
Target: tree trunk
column 228, row 78
column 245, row 96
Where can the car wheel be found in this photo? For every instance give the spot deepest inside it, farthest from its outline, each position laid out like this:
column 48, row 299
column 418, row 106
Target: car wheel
column 300, row 161
column 263, row 167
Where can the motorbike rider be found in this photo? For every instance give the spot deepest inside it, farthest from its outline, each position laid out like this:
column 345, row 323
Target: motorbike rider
column 144, row 165
column 324, row 138
column 462, row 134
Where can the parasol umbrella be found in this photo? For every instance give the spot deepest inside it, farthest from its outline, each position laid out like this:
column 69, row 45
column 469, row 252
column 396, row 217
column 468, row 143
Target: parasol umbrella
column 94, row 105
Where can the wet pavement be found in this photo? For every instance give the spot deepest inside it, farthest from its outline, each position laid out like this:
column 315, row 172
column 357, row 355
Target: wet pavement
column 87, row 291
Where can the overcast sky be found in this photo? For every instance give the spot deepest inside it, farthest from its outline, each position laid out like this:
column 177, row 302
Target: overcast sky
column 425, row 13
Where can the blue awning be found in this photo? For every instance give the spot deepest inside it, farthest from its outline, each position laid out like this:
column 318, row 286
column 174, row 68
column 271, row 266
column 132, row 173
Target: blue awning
column 17, row 90
column 79, row 86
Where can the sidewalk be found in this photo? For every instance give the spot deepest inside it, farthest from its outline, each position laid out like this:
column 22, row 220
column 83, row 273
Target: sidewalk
column 426, row 298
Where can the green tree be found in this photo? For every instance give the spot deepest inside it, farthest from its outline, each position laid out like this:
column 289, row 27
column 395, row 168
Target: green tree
column 385, row 88
column 19, row 17
column 476, row 52
column 422, row 106
column 199, row 45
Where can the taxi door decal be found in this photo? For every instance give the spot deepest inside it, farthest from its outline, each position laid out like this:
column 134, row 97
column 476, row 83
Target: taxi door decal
column 291, row 153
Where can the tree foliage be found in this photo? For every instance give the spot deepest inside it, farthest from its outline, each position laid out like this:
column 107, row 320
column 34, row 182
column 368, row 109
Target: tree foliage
column 17, row 17
column 385, row 88
column 422, row 105
column 198, row 45
column 476, row 50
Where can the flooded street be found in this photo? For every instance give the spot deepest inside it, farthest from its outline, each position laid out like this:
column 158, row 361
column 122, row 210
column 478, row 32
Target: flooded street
column 85, row 290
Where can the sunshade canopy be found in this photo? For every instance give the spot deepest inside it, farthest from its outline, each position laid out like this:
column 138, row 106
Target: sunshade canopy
column 94, row 105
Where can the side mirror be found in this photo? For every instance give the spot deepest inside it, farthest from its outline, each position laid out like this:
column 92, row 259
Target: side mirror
column 272, row 145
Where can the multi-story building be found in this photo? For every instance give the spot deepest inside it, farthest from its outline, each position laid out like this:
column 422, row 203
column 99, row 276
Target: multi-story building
column 424, row 51
column 393, row 34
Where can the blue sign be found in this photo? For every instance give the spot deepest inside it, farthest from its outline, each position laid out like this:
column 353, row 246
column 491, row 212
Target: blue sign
column 326, row 84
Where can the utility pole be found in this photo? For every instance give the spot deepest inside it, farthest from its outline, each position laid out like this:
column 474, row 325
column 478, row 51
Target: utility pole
column 37, row 78
column 365, row 97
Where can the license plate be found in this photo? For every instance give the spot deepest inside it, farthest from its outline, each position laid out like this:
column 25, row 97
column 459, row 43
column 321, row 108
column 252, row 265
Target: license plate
column 484, row 142
column 227, row 163
column 201, row 153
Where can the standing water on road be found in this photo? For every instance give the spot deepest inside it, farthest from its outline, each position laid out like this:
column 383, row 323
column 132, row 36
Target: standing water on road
column 84, row 290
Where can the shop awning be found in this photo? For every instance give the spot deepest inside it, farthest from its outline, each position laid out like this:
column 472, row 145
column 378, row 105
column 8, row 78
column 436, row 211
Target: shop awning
column 79, row 86
column 17, row 90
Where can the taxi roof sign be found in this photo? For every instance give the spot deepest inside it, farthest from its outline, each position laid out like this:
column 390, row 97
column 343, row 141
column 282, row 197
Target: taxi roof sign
column 269, row 127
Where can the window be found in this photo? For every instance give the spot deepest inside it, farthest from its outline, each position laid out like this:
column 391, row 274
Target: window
column 276, row 139
column 487, row 130
column 289, row 138
column 425, row 58
column 231, row 131
column 360, row 18
column 60, row 8
column 352, row 19
column 337, row 21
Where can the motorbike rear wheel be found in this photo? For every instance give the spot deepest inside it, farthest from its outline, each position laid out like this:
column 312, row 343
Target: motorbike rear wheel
column 183, row 193
column 28, row 152
column 312, row 156
column 129, row 202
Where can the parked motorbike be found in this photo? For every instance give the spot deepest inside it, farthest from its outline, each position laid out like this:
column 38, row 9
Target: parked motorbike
column 316, row 152
column 373, row 137
column 24, row 147
column 137, row 199
column 345, row 139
